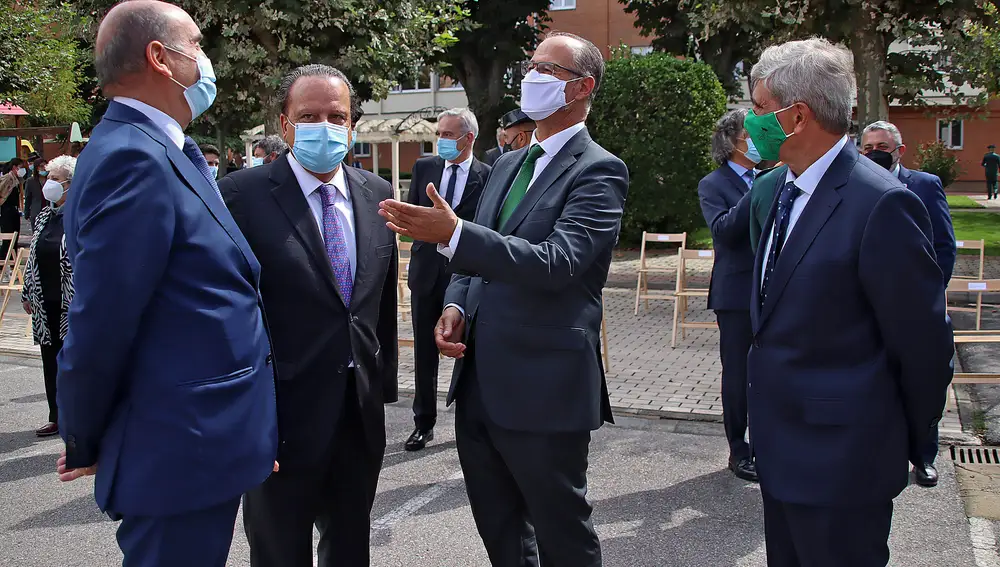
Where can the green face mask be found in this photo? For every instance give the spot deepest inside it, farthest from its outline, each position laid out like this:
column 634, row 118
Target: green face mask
column 767, row 133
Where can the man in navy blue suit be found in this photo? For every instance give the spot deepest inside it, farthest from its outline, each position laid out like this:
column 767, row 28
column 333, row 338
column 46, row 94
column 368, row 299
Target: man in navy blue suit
column 882, row 143
column 166, row 380
column 851, row 351
column 727, row 213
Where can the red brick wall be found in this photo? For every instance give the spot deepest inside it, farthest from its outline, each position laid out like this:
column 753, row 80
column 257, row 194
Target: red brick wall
column 603, row 22
column 408, row 154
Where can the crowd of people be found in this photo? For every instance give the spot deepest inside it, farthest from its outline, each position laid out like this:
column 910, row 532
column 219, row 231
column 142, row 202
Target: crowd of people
column 207, row 341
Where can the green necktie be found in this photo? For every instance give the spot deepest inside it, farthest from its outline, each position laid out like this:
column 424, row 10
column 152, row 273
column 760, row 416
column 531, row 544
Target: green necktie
column 520, row 186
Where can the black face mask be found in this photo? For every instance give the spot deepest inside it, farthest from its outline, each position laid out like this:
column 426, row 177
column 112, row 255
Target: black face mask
column 506, row 148
column 882, row 158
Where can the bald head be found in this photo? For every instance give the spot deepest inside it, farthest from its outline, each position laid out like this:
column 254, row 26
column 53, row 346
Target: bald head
column 576, row 53
column 129, row 28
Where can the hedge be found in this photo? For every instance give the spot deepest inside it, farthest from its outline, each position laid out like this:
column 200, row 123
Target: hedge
column 657, row 113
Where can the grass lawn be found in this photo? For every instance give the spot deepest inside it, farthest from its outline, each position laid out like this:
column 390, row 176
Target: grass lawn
column 962, row 202
column 700, row 239
column 978, row 226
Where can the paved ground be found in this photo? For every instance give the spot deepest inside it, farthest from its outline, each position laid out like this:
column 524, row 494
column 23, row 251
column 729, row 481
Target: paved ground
column 662, row 498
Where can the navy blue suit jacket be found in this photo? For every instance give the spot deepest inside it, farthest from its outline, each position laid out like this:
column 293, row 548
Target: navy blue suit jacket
column 165, row 379
column 726, row 207
column 928, row 187
column 852, row 350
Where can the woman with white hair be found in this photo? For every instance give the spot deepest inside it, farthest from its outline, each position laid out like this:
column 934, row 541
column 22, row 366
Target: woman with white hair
column 48, row 281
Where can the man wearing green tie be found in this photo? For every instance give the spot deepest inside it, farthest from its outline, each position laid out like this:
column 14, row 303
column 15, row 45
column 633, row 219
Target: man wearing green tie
column 991, row 162
column 523, row 316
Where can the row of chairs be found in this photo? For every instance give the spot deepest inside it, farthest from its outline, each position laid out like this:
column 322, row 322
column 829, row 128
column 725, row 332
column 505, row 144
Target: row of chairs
column 12, row 277
column 683, row 288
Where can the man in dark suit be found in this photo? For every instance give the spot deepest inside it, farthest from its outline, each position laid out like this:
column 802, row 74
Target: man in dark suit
column 518, row 128
column 851, row 352
column 165, row 386
column 524, row 319
column 882, row 143
column 329, row 286
column 726, row 207
column 493, row 154
column 461, row 178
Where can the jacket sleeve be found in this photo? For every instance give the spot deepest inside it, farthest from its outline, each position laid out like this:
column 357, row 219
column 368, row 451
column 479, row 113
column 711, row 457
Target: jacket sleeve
column 902, row 281
column 413, row 196
column 588, row 224
column 122, row 215
column 728, row 224
column 386, row 332
column 936, row 203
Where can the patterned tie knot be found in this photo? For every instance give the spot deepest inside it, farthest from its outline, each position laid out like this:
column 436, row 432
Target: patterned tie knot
column 329, row 194
column 788, row 194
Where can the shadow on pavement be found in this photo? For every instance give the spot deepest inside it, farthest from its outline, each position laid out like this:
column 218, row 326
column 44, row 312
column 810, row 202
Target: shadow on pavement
column 28, row 467
column 17, row 440
column 403, row 456
column 82, row 510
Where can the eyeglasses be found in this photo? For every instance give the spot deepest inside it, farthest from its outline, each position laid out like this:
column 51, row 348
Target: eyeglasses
column 546, row 68
column 883, row 147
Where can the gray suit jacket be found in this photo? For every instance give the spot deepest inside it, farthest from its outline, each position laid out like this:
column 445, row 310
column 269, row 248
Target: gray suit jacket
column 532, row 291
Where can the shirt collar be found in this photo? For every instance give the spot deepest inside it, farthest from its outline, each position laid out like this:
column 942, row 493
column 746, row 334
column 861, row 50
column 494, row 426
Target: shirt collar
column 464, row 165
column 162, row 120
column 897, row 170
column 739, row 169
column 556, row 141
column 309, row 184
column 813, row 174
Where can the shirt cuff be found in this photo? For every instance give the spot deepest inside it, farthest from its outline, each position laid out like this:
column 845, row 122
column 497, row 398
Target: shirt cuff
column 449, row 250
column 456, row 306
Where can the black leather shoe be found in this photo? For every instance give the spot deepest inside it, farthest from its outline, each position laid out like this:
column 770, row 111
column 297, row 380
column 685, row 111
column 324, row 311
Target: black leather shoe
column 744, row 468
column 926, row 475
column 418, row 439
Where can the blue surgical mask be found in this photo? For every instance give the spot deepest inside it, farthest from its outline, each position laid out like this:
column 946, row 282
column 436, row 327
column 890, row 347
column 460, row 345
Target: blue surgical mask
column 751, row 152
column 256, row 161
column 200, row 95
column 320, row 147
column 448, row 149
column 215, row 171
column 43, row 173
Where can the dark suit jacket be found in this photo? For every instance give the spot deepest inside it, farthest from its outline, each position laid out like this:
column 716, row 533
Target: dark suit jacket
column 427, row 267
column 726, row 206
column 491, row 156
column 315, row 335
column 532, row 293
column 928, row 187
column 852, row 350
column 34, row 201
column 166, row 365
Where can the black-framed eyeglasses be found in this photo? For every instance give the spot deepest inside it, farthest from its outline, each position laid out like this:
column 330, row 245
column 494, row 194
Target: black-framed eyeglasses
column 546, row 68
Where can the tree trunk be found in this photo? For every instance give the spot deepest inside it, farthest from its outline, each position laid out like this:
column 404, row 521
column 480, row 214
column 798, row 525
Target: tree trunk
column 871, row 49
column 485, row 88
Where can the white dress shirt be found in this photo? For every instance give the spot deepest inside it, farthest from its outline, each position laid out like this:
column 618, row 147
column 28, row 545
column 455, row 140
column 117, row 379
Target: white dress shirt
column 552, row 145
column 314, row 198
column 806, row 183
column 162, row 121
column 460, row 181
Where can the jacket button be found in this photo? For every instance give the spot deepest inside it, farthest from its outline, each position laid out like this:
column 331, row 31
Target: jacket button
column 355, row 318
column 269, row 359
column 486, row 281
column 756, row 343
column 340, row 369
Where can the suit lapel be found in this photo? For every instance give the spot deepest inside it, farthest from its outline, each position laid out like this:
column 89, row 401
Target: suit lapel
column 563, row 159
column 436, row 173
column 365, row 221
column 735, row 180
column 490, row 209
column 288, row 194
column 817, row 211
column 904, row 176
column 473, row 185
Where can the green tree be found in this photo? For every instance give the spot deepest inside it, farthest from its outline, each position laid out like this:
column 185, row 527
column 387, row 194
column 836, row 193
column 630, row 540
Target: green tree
column 658, row 113
column 484, row 59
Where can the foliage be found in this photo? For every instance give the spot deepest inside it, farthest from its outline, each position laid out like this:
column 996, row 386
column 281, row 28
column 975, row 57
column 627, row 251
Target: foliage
column 41, row 62
column 963, row 202
column 977, row 225
column 934, row 157
column 500, row 34
column 658, row 113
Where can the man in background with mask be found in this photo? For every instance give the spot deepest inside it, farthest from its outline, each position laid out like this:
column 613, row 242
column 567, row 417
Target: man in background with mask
column 524, row 317
column 166, row 383
column 725, row 203
column 518, row 128
column 461, row 178
column 212, row 156
column 267, row 150
column 851, row 352
column 882, row 143
column 329, row 288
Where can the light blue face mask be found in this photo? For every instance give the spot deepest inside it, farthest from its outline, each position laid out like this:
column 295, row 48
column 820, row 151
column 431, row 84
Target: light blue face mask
column 448, row 149
column 320, row 147
column 201, row 95
column 43, row 173
column 215, row 171
column 256, row 161
column 751, row 152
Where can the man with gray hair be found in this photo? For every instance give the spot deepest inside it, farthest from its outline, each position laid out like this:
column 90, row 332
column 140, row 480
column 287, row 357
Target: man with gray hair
column 463, row 177
column 267, row 150
column 851, row 352
column 166, row 380
column 723, row 195
column 882, row 143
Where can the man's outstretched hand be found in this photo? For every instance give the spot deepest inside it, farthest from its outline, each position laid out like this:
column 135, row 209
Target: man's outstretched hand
column 427, row 224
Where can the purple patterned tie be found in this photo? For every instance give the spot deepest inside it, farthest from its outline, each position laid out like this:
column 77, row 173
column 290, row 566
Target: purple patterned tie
column 336, row 246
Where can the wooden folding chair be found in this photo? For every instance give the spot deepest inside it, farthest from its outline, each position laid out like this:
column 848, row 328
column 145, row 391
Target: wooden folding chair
column 642, row 282
column 977, row 336
column 403, row 302
column 684, row 291
column 14, row 284
column 978, row 276
column 9, row 238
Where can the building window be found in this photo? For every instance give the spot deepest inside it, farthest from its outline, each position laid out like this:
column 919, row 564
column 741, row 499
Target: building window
column 420, row 80
column 362, row 149
column 446, row 83
column 563, row 5
column 427, row 148
column 951, row 133
column 644, row 50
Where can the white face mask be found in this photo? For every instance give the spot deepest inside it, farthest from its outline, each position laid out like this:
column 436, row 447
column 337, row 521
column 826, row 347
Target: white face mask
column 53, row 190
column 542, row 95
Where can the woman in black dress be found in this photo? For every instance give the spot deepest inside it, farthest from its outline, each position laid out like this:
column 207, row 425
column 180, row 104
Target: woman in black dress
column 15, row 172
column 48, row 281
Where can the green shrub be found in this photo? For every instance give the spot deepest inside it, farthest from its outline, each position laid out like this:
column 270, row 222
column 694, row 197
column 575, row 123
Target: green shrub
column 386, row 173
column 657, row 113
column 934, row 157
